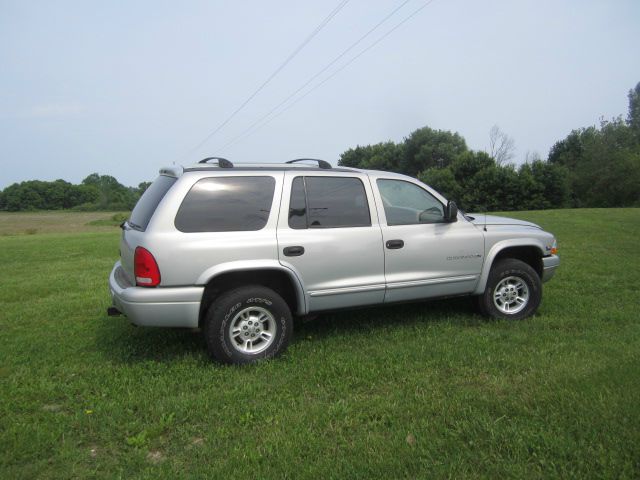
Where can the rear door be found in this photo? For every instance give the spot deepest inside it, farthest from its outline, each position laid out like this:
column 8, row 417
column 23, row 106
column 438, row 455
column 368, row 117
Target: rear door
column 328, row 232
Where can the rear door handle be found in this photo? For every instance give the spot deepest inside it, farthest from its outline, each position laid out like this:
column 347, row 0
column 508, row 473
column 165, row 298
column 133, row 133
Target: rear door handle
column 293, row 251
column 395, row 244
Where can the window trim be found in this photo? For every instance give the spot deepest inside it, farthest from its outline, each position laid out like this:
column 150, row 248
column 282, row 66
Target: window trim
column 386, row 218
column 306, row 202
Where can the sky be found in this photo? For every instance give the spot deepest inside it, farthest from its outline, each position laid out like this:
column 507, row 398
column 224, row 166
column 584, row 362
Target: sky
column 124, row 88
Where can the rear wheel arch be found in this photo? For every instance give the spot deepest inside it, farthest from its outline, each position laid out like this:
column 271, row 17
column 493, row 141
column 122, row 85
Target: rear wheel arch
column 282, row 282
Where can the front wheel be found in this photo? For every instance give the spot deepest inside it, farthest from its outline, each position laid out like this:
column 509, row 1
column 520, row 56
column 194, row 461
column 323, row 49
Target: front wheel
column 513, row 291
column 248, row 324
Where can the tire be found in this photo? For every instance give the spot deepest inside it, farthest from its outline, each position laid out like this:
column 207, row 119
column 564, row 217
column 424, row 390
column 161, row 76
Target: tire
column 247, row 324
column 513, row 291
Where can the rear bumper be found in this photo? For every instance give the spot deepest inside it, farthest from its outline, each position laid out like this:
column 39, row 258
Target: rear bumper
column 549, row 266
column 155, row 307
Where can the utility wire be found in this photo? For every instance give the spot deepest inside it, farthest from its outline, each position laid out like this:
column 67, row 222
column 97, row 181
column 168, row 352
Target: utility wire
column 324, row 69
column 322, row 24
column 248, row 131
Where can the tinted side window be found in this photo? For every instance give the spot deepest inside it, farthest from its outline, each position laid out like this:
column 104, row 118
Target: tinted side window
column 146, row 206
column 226, row 204
column 407, row 204
column 298, row 205
column 336, row 202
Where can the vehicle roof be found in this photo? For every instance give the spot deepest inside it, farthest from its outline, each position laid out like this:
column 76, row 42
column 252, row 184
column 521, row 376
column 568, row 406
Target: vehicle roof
column 198, row 167
column 265, row 166
column 176, row 171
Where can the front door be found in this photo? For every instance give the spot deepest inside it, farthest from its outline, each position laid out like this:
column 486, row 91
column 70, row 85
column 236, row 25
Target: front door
column 425, row 256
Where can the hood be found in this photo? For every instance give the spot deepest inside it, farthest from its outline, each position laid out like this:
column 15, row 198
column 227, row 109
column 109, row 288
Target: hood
column 479, row 219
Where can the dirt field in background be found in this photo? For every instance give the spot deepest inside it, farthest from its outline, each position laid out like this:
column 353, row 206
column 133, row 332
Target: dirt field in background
column 31, row 223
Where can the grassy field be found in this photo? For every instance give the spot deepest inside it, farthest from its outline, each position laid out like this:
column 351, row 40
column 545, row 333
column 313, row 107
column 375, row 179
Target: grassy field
column 31, row 223
column 428, row 390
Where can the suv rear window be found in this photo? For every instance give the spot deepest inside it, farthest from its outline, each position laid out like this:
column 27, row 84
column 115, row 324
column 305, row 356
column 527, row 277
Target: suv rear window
column 143, row 211
column 226, row 204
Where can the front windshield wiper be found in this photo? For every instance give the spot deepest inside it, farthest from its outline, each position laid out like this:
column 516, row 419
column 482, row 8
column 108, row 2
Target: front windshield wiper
column 468, row 217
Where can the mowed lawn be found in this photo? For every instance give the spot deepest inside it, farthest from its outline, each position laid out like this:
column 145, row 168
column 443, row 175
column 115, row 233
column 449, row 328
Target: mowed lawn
column 428, row 390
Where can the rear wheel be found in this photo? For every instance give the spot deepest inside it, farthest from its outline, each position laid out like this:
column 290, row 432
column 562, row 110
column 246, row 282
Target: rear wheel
column 248, row 324
column 513, row 291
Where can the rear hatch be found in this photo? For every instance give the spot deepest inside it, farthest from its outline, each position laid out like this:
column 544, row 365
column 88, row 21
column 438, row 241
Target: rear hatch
column 133, row 230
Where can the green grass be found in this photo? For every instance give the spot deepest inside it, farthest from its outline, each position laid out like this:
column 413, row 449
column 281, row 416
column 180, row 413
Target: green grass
column 418, row 391
column 58, row 221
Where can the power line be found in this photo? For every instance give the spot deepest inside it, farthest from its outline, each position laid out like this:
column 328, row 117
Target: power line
column 248, row 131
column 320, row 72
column 322, row 24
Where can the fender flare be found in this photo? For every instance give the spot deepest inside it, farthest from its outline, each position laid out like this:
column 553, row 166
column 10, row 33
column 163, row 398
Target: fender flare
column 248, row 265
column 499, row 247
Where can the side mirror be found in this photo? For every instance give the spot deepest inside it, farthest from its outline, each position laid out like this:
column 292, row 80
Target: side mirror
column 451, row 212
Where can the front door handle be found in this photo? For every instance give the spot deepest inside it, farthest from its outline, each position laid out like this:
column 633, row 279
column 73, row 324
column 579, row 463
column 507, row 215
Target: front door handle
column 395, row 244
column 293, row 251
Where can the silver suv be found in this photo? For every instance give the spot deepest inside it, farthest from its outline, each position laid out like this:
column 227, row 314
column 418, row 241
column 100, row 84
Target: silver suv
column 238, row 249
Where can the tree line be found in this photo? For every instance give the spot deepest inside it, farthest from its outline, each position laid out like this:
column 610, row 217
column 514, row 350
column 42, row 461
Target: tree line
column 591, row 167
column 96, row 192
column 597, row 166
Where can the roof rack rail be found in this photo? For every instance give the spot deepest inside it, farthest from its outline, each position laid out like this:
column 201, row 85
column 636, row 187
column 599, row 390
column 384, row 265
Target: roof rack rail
column 222, row 162
column 321, row 163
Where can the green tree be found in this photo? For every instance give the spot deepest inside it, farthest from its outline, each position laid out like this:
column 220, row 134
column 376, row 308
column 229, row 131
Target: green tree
column 142, row 187
column 444, row 181
column 633, row 116
column 463, row 180
column 426, row 148
column 531, row 188
column 381, row 156
column 554, row 180
column 39, row 195
column 111, row 194
column 602, row 164
column 423, row 149
column 22, row 196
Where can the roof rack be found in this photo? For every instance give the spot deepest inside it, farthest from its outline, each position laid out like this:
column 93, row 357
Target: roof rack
column 321, row 163
column 222, row 162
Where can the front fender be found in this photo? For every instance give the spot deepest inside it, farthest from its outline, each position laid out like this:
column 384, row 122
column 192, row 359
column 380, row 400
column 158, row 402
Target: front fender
column 496, row 249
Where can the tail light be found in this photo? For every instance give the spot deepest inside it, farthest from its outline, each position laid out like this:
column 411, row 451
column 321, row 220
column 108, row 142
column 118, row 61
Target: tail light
column 145, row 268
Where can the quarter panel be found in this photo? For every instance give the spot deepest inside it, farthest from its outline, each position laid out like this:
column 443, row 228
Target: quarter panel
column 183, row 258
